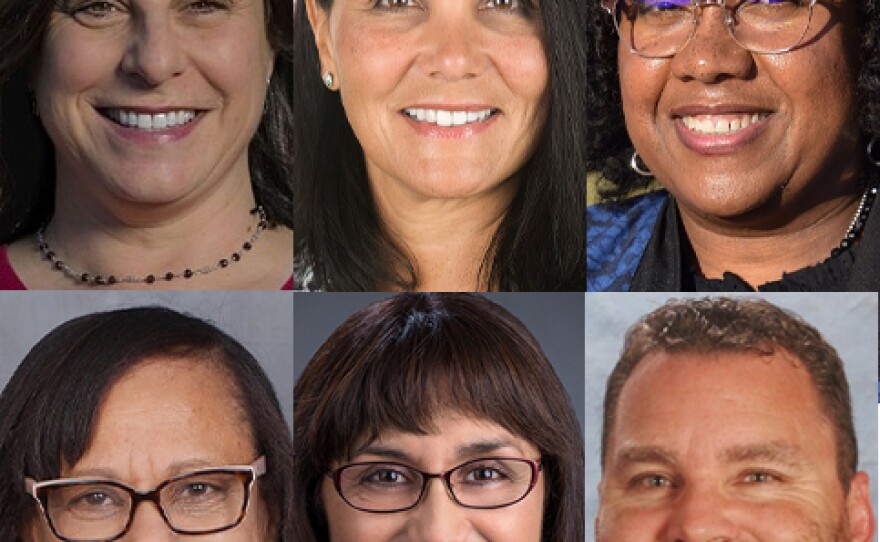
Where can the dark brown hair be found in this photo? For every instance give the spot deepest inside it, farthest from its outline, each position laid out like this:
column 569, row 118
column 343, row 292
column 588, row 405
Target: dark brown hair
column 48, row 407
column 740, row 325
column 399, row 362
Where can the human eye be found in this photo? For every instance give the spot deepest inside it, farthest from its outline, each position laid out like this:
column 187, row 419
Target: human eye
column 508, row 5
column 386, row 477
column 395, row 5
column 92, row 501
column 659, row 11
column 484, row 473
column 200, row 490
column 770, row 11
column 651, row 482
column 206, row 6
column 759, row 477
column 94, row 13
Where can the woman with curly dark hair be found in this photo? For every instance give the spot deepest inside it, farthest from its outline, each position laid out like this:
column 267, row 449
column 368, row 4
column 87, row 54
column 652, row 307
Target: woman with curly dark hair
column 760, row 120
column 145, row 145
column 437, row 145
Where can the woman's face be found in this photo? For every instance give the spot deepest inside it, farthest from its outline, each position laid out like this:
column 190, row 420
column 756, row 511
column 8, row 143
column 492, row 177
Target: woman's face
column 446, row 97
column 153, row 101
column 800, row 134
column 166, row 417
column 457, row 439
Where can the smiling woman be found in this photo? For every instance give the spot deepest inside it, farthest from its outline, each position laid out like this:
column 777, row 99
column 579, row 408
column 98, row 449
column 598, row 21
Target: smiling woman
column 435, row 417
column 434, row 147
column 761, row 122
column 169, row 124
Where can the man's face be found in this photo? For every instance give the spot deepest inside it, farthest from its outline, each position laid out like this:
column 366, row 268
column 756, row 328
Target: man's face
column 728, row 446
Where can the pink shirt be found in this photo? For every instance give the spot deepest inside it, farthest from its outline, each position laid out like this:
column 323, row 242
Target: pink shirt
column 10, row 281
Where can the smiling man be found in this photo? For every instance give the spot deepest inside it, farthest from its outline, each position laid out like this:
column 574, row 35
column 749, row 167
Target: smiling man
column 729, row 420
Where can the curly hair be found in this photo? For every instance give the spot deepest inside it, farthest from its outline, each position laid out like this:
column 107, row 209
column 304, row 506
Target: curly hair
column 339, row 233
column 608, row 147
column 27, row 172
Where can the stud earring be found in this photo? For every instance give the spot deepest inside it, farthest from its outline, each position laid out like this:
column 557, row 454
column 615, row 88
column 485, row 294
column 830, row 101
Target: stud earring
column 636, row 164
column 873, row 152
column 328, row 80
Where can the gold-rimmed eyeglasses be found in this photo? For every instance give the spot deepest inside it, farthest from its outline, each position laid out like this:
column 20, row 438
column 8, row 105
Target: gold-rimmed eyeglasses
column 198, row 502
column 384, row 487
column 661, row 28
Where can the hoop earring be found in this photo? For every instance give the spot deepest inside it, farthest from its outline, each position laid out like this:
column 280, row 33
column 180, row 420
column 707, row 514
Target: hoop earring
column 873, row 155
column 328, row 80
column 637, row 167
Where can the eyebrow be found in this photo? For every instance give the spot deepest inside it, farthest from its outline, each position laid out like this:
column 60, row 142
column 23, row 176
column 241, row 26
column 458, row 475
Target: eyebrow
column 773, row 451
column 644, row 454
column 470, row 449
column 174, row 469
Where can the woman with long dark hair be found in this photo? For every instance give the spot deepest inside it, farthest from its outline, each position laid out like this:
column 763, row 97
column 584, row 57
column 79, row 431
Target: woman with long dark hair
column 438, row 145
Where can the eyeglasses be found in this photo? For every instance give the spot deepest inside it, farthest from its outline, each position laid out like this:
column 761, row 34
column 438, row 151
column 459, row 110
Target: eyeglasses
column 94, row 509
column 661, row 28
column 493, row 482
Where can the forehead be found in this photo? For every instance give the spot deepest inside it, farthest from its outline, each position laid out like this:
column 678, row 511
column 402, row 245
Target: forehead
column 167, row 414
column 716, row 400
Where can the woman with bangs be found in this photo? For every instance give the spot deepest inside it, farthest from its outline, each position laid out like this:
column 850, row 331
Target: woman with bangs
column 435, row 416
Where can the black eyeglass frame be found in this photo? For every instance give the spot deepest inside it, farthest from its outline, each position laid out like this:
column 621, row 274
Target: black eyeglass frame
column 249, row 474
column 537, row 466
column 612, row 7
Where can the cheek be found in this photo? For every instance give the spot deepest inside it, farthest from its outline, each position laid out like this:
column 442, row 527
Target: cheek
column 72, row 61
column 369, row 61
column 522, row 64
column 641, row 86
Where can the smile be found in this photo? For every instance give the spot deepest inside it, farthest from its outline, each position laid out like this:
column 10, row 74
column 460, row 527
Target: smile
column 721, row 124
column 150, row 122
column 447, row 118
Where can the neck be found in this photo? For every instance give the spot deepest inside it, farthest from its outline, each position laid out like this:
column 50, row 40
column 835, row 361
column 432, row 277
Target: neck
column 112, row 236
column 447, row 240
column 761, row 249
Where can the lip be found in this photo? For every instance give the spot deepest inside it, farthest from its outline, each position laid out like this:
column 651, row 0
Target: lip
column 432, row 130
column 154, row 137
column 709, row 144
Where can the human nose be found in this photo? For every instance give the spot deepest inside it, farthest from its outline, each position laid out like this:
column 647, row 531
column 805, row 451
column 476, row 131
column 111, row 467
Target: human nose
column 438, row 518
column 453, row 48
column 147, row 525
column 701, row 514
column 154, row 54
column 712, row 55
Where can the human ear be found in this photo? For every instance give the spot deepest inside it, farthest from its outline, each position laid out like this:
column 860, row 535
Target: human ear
column 859, row 510
column 319, row 19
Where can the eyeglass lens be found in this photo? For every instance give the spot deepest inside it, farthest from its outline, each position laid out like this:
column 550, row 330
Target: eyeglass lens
column 198, row 503
column 659, row 28
column 483, row 483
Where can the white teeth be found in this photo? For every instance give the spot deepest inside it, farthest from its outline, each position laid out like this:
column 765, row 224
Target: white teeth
column 151, row 123
column 711, row 124
column 445, row 118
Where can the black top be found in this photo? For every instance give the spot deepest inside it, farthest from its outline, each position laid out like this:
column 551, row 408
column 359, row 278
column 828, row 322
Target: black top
column 663, row 269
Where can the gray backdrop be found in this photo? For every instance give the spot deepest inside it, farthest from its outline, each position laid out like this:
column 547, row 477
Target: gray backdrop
column 848, row 321
column 556, row 320
column 261, row 321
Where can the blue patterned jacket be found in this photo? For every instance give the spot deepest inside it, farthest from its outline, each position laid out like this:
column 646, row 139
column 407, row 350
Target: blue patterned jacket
column 617, row 234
